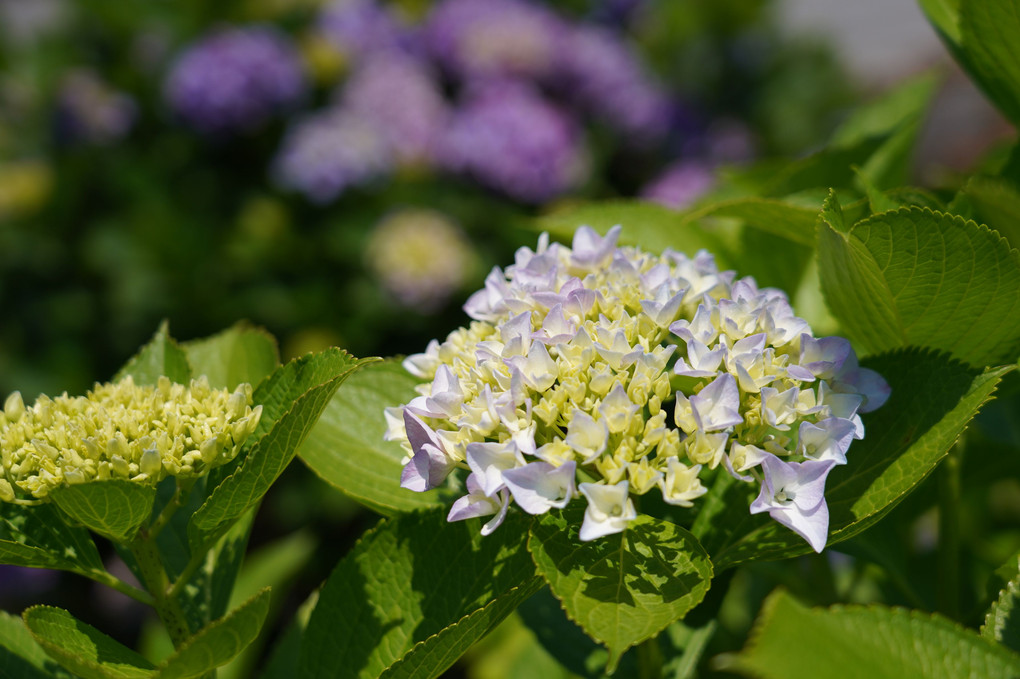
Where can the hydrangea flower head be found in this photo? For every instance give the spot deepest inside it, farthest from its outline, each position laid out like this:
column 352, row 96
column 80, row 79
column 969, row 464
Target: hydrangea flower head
column 235, row 79
column 420, row 257
column 494, row 38
column 598, row 373
column 508, row 137
column 121, row 431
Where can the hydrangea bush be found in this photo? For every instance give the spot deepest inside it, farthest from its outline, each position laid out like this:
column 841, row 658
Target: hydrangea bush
column 609, row 372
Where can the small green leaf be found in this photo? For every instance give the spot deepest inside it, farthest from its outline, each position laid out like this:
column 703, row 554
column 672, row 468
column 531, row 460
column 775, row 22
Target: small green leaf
column 856, row 642
column 161, row 356
column 293, row 397
column 412, row 577
column 625, row 588
column 219, row 642
column 39, row 537
column 793, row 221
column 988, row 44
column 933, row 399
column 1002, row 622
column 346, row 447
column 114, row 509
column 239, row 354
column 81, row 648
column 917, row 277
column 20, row 656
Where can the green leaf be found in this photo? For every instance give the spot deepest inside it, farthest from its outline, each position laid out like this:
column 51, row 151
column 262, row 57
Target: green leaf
column 624, row 588
column 430, row 658
column 219, row 642
column 945, row 16
column 239, row 354
column 933, row 399
column 39, row 537
column 995, row 202
column 161, row 356
column 81, row 648
column 293, row 397
column 793, row 221
column 883, row 117
column 917, row 277
column 856, row 642
column 412, row 577
column 651, row 226
column 1002, row 622
column 988, row 43
column 346, row 447
column 20, row 656
column 114, row 509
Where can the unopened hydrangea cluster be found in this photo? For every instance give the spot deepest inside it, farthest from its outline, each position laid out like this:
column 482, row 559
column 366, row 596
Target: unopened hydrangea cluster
column 121, row 430
column 608, row 372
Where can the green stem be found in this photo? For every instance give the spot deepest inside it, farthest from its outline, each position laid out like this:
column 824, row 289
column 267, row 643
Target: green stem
column 649, row 659
column 155, row 580
column 116, row 583
column 949, row 532
column 181, row 492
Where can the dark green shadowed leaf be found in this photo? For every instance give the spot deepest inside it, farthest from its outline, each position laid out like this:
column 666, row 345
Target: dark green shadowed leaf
column 39, row 537
column 346, row 447
column 161, row 356
column 623, row 588
column 219, row 642
column 293, row 397
column 114, row 509
column 21, row 657
column 995, row 202
column 933, row 399
column 240, row 354
column 857, row 642
column 82, row 649
column 1002, row 622
column 915, row 276
column 412, row 577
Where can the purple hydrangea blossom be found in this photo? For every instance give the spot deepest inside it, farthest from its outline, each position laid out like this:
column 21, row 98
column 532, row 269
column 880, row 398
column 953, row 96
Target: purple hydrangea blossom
column 680, row 184
column 606, row 76
column 485, row 38
column 235, row 79
column 359, row 28
column 324, row 154
column 402, row 96
column 509, row 138
column 91, row 112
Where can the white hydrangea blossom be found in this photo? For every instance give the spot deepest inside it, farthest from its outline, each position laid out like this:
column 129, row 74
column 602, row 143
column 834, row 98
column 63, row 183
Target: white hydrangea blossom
column 608, row 372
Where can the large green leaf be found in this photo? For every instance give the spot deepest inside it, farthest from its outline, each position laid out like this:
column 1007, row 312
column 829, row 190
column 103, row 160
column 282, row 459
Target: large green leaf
column 856, row 642
column 219, row 642
column 624, row 588
column 945, row 16
column 1002, row 623
column 346, row 447
column 39, row 537
column 81, row 648
column 988, row 36
column 993, row 201
column 430, row 658
column 239, row 354
column 651, row 226
column 161, row 356
column 114, row 509
column 915, row 276
column 933, row 399
column 293, row 397
column 20, row 656
column 412, row 577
